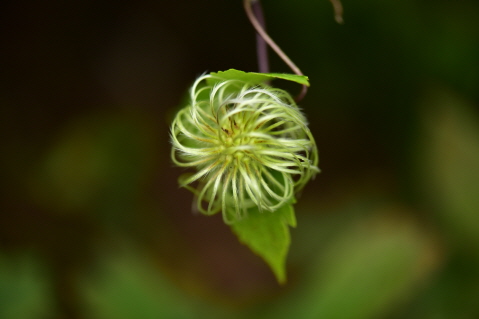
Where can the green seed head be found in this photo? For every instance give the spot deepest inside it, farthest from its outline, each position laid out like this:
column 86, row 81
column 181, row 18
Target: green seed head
column 250, row 146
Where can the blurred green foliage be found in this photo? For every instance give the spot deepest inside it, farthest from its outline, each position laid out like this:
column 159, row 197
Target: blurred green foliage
column 93, row 224
column 24, row 288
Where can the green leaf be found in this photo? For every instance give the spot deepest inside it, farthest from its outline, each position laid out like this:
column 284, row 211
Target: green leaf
column 300, row 79
column 257, row 78
column 267, row 234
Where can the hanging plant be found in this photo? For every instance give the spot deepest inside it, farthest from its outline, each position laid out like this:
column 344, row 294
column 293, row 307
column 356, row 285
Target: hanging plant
column 249, row 148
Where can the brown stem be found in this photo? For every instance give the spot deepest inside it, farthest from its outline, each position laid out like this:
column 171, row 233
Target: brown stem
column 261, row 45
column 257, row 25
column 338, row 11
column 256, row 19
column 267, row 38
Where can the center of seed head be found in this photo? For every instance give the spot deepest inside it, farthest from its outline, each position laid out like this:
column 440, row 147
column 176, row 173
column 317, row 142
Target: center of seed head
column 233, row 140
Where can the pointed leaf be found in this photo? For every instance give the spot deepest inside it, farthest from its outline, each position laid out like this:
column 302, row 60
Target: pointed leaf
column 267, row 234
column 300, row 79
column 257, row 78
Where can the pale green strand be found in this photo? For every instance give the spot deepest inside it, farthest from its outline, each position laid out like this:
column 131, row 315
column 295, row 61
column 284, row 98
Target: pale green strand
column 250, row 145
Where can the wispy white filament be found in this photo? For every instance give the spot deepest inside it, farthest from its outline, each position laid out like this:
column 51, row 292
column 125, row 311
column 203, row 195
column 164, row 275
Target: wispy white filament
column 250, row 146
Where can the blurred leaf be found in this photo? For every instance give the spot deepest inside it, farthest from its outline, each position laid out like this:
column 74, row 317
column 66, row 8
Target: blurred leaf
column 453, row 294
column 366, row 270
column 24, row 292
column 449, row 164
column 129, row 284
column 98, row 164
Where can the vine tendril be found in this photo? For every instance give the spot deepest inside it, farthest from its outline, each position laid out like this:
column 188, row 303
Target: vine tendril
column 255, row 15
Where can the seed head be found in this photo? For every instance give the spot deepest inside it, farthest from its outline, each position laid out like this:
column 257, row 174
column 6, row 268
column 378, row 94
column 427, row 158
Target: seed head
column 250, row 145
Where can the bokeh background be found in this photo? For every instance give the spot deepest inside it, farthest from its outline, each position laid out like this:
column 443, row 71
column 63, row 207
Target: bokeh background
column 93, row 224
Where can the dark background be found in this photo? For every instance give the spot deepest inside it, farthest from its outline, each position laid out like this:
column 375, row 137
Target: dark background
column 93, row 224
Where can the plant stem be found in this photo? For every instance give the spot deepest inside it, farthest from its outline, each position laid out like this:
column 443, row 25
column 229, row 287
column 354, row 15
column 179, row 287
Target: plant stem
column 338, row 11
column 255, row 16
column 261, row 46
column 262, row 33
column 256, row 24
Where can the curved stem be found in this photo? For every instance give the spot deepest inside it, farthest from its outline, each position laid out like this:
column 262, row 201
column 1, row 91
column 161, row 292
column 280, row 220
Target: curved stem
column 267, row 38
column 259, row 28
column 338, row 11
column 257, row 20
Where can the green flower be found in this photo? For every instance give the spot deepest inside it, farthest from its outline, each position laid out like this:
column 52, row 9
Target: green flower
column 249, row 143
